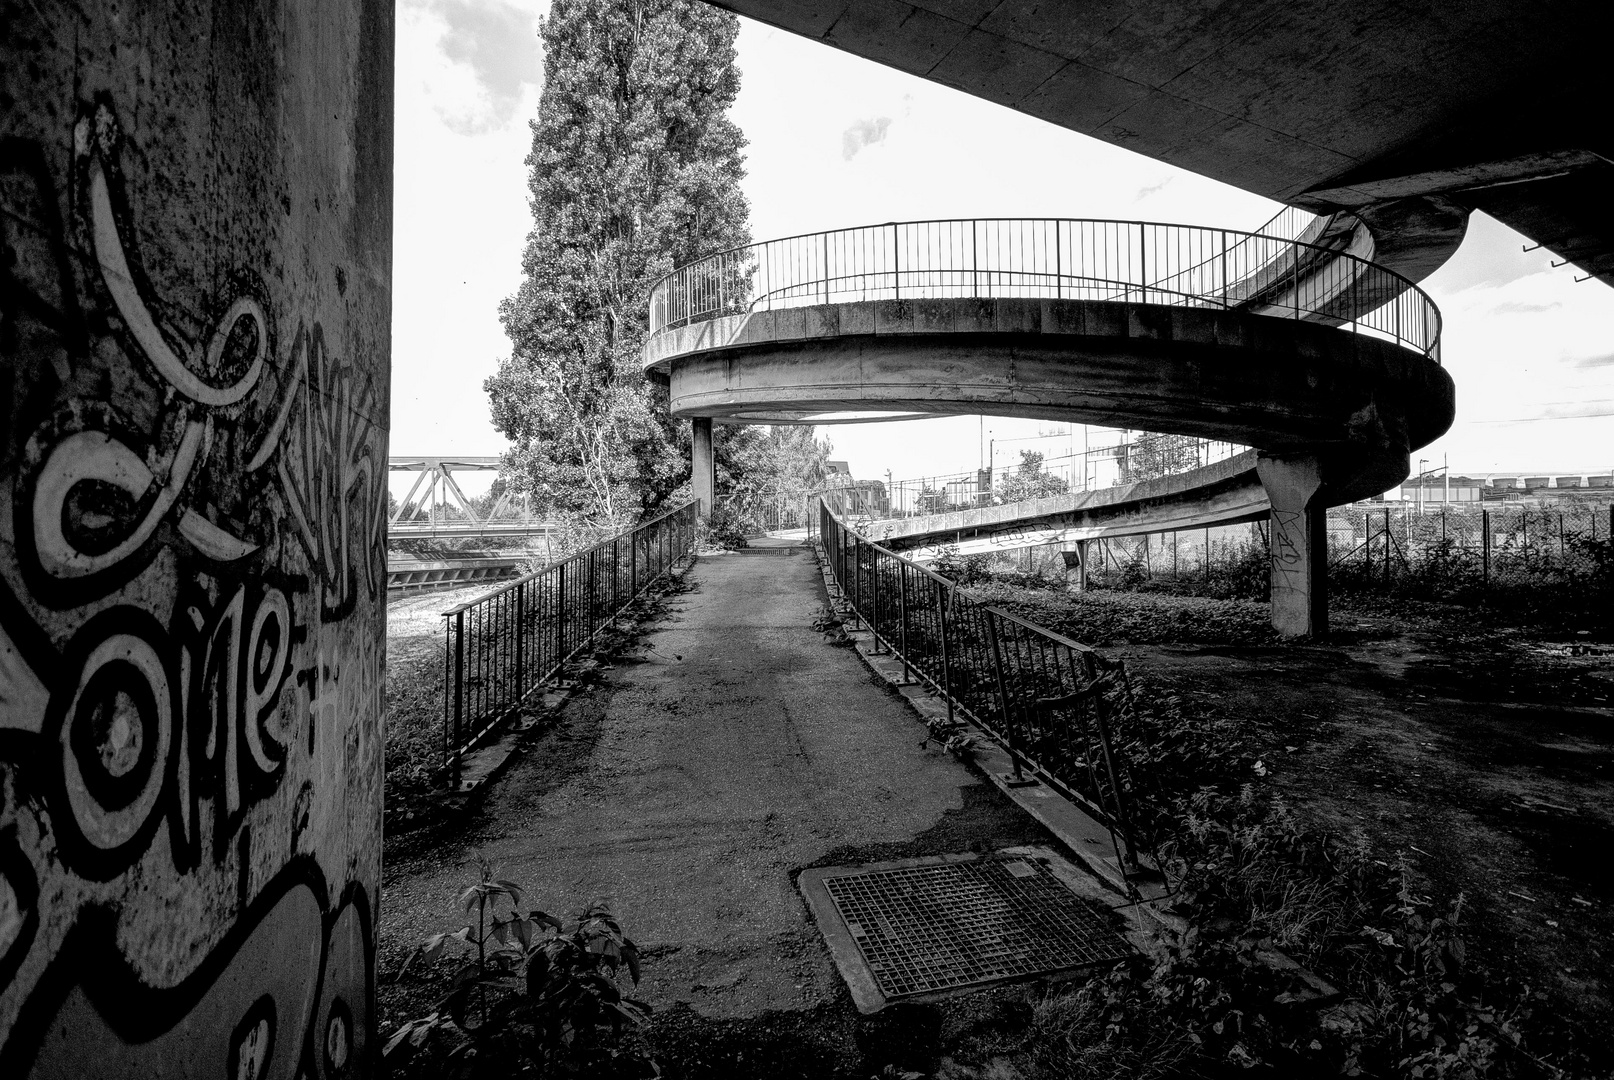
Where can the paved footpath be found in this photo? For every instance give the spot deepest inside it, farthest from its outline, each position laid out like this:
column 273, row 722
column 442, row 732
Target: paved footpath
column 688, row 790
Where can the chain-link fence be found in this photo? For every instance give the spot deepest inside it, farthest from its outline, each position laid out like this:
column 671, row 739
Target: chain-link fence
column 1228, row 561
column 1469, row 551
column 1461, row 555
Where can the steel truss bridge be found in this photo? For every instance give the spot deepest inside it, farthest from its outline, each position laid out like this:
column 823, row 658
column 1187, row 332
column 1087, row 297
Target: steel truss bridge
column 437, row 508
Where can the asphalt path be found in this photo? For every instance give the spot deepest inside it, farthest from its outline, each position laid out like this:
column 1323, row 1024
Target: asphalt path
column 735, row 746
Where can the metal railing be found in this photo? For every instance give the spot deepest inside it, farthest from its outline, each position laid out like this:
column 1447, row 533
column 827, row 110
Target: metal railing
column 505, row 644
column 1051, row 702
column 1048, row 258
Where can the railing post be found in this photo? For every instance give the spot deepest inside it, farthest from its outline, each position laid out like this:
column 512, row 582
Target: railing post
column 896, row 265
column 947, row 670
column 560, row 602
column 1119, row 797
column 459, row 694
column 1003, row 694
column 874, row 600
column 521, row 639
column 1143, row 264
column 857, row 584
column 826, row 268
column 1224, row 268
column 1059, row 262
column 902, row 617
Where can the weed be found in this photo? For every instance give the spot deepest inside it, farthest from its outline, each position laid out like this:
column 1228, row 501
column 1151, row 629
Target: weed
column 528, row 992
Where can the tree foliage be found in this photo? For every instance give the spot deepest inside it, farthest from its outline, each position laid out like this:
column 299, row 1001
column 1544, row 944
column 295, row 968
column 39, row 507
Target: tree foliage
column 1031, row 481
column 1155, row 455
column 635, row 168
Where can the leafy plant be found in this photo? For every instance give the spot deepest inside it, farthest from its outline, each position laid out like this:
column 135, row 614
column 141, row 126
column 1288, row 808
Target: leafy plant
column 727, row 528
column 528, row 991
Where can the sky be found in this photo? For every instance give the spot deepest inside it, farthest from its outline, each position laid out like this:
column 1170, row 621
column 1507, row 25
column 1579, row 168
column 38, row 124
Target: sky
column 837, row 141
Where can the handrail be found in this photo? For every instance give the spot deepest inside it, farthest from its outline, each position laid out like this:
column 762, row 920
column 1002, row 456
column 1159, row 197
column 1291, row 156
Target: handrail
column 507, row 642
column 1050, row 701
column 1053, row 258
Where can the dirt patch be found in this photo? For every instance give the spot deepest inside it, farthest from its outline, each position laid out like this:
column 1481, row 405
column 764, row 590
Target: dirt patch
column 1484, row 756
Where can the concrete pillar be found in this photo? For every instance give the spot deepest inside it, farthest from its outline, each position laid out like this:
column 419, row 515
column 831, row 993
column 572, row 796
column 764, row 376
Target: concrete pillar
column 1299, row 545
column 195, row 295
column 1076, row 570
column 703, row 464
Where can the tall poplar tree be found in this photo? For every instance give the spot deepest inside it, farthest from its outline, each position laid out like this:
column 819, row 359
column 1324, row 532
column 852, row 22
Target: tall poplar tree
column 635, row 168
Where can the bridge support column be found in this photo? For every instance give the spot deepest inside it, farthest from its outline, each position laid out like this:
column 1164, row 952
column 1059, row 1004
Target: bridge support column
column 703, row 463
column 1299, row 545
column 195, row 321
column 1076, row 573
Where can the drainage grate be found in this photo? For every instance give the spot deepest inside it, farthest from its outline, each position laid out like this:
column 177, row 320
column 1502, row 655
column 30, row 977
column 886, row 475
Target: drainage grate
column 933, row 927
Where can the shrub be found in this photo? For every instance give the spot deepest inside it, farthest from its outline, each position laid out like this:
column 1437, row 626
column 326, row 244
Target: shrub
column 727, row 528
column 529, row 992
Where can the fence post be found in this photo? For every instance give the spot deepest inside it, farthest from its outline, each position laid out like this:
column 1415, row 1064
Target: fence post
column 1003, row 694
column 947, row 671
column 1485, row 550
column 1387, row 542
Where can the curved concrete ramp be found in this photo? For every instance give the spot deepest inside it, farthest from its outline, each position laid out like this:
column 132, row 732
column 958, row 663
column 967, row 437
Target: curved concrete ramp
column 1281, row 386
column 1322, row 361
column 1224, row 493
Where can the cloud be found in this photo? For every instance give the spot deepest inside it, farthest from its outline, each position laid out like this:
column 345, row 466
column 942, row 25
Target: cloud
column 863, row 133
column 1605, row 360
column 498, row 42
column 1519, row 307
column 1151, row 189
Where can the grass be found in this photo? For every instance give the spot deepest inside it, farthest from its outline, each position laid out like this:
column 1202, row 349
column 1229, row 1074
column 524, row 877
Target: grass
column 1107, row 617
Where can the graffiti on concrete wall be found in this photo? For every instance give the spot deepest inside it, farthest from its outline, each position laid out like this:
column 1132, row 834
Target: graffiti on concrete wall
column 192, row 508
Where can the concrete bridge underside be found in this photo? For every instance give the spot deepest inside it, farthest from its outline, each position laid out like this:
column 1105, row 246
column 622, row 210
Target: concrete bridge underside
column 1406, row 115
column 1332, row 415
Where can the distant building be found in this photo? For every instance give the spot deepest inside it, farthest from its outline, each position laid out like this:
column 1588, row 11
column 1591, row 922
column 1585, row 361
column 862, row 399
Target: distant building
column 1510, row 486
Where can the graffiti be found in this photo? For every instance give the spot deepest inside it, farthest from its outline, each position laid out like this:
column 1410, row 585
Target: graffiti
column 273, row 999
column 1288, row 559
column 335, row 491
column 191, row 516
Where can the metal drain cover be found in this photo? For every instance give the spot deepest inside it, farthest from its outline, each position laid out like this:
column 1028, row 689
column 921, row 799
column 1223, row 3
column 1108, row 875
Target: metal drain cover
column 922, row 927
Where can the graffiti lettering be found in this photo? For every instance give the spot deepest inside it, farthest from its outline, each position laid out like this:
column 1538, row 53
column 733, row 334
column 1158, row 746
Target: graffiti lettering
column 191, row 514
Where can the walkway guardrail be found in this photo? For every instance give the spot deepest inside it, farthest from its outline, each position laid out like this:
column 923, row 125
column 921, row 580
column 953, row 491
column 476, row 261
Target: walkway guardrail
column 1053, row 258
column 1051, row 702
column 505, row 644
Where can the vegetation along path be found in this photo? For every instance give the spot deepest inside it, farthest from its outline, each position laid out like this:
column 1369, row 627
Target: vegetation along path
column 735, row 746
